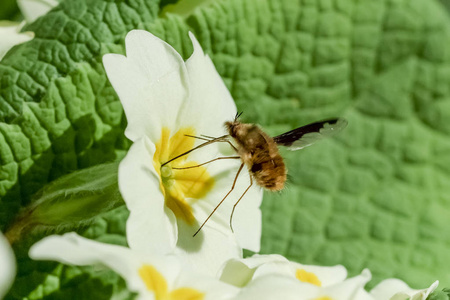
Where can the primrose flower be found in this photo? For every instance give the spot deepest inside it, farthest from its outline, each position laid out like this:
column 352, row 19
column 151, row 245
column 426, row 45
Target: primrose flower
column 265, row 276
column 395, row 289
column 33, row 9
column 150, row 276
column 7, row 266
column 241, row 272
column 168, row 101
column 274, row 277
column 10, row 36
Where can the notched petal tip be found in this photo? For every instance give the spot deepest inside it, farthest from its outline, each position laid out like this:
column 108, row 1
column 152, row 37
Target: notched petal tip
column 137, row 33
column 113, row 62
column 197, row 47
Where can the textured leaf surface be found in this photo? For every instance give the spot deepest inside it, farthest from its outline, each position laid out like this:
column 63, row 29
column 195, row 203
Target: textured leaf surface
column 377, row 196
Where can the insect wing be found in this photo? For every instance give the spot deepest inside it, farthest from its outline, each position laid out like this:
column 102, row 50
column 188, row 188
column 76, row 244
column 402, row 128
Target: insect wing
column 309, row 134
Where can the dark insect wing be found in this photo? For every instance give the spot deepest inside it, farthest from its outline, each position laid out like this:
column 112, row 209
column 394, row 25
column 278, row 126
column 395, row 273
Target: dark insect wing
column 309, row 134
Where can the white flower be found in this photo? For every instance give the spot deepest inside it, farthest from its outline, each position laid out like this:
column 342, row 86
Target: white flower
column 33, row 9
column 395, row 289
column 239, row 272
column 7, row 266
column 151, row 276
column 274, row 277
column 10, row 36
column 165, row 99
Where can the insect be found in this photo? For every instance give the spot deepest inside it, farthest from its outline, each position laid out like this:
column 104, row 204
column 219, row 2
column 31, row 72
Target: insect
column 259, row 152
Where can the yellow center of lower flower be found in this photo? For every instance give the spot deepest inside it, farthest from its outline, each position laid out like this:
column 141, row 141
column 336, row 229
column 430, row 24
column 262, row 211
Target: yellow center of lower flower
column 155, row 282
column 305, row 276
column 181, row 188
column 324, row 298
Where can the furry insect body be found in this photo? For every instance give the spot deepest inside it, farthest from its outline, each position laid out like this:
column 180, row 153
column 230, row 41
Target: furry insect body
column 259, row 153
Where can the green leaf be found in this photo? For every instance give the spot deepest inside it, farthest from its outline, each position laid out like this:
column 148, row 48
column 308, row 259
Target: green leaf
column 376, row 196
column 9, row 10
column 440, row 295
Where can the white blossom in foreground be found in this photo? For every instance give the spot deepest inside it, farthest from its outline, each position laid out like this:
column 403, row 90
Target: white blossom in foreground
column 274, row 277
column 7, row 266
column 395, row 289
column 33, row 9
column 10, row 36
column 239, row 272
column 166, row 99
column 150, row 276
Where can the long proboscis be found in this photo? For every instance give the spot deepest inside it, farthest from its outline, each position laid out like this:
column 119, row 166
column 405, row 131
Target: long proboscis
column 215, row 140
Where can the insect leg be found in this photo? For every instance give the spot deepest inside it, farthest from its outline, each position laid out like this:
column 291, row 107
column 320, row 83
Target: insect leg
column 234, row 206
column 232, row 188
column 232, row 146
column 218, row 158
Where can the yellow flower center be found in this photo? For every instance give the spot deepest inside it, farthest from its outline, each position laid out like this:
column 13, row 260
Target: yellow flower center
column 181, row 188
column 324, row 298
column 155, row 282
column 305, row 276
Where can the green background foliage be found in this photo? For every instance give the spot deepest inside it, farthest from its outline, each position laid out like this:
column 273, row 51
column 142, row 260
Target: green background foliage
column 377, row 196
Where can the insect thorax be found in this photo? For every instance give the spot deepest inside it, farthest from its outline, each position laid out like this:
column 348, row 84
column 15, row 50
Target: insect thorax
column 260, row 153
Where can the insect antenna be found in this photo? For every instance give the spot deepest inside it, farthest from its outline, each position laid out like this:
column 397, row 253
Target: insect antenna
column 221, row 201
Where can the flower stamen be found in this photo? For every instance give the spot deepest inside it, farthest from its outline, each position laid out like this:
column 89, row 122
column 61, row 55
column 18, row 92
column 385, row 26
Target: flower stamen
column 186, row 185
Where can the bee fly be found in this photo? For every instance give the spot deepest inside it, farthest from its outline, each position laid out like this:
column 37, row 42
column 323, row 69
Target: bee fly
column 259, row 152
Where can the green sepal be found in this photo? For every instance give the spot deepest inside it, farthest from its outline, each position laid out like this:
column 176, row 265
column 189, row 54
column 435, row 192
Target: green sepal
column 69, row 202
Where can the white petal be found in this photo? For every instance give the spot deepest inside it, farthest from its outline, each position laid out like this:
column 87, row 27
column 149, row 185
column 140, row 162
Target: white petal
column 10, row 36
column 151, row 226
column 388, row 288
column 239, row 272
column 362, row 294
column 349, row 288
column 151, row 82
column 210, row 103
column 75, row 250
column 277, row 287
column 208, row 250
column 327, row 275
column 8, row 266
column 247, row 215
column 396, row 289
column 247, row 220
column 212, row 287
column 33, row 9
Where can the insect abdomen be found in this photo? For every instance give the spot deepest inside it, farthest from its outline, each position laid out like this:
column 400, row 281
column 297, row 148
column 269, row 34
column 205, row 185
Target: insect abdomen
column 270, row 174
